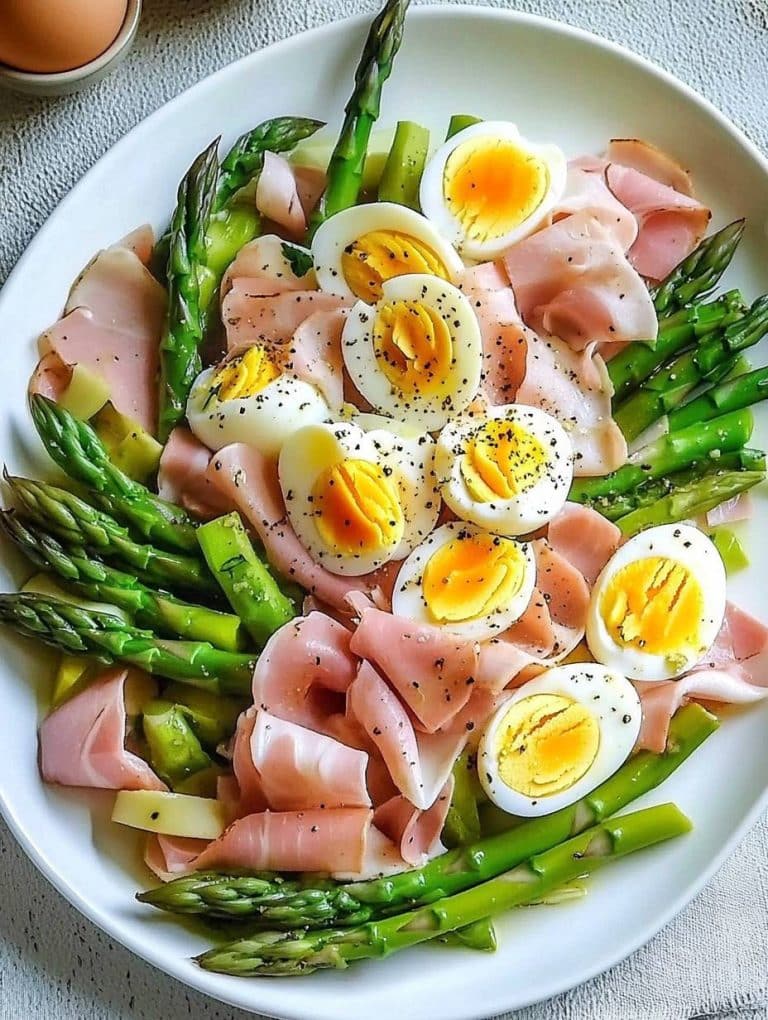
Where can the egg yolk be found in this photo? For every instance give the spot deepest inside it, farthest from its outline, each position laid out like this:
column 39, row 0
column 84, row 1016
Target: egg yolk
column 545, row 744
column 357, row 509
column 413, row 347
column 246, row 375
column 492, row 185
column 381, row 255
column 472, row 576
column 501, row 461
column 654, row 605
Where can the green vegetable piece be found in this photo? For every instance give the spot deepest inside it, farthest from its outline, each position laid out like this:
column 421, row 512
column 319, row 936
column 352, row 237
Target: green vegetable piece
column 479, row 935
column 299, row 260
column 731, row 550
column 130, row 447
column 459, row 121
column 73, row 673
column 212, row 717
column 699, row 273
column 731, row 395
column 462, row 823
column 405, row 164
column 250, row 588
column 203, row 783
column 86, row 393
column 174, row 751
column 228, row 231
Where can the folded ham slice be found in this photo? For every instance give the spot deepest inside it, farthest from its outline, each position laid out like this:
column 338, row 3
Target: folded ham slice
column 82, row 743
column 170, row 856
column 250, row 793
column 573, row 280
column 670, row 224
column 415, row 832
column 314, row 354
column 263, row 263
column 277, row 195
column 583, row 537
column 182, row 476
column 250, row 317
column 586, row 191
column 651, row 161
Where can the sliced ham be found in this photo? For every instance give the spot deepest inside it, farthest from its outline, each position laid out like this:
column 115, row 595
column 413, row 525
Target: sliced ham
column 170, row 856
column 249, row 480
column 533, row 633
column 584, row 538
column 572, row 280
column 574, row 388
column 51, row 377
column 382, row 858
column 140, row 241
column 431, row 670
column 82, row 742
column 277, row 195
column 742, row 639
column 314, row 354
column 250, row 792
column 651, row 161
column 263, row 263
column 737, row 508
column 670, row 224
column 249, row 317
column 415, row 832
column 310, row 184
column 182, row 476
column 566, row 594
column 586, row 191
column 419, row 763
column 301, row 769
column 112, row 324
column 322, row 840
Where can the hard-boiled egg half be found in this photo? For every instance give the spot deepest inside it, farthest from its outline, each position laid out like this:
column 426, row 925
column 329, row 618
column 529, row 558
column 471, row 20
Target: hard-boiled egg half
column 558, row 737
column 357, row 500
column 250, row 399
column 356, row 251
column 488, row 187
column 658, row 603
column 466, row 580
column 508, row 472
column 416, row 354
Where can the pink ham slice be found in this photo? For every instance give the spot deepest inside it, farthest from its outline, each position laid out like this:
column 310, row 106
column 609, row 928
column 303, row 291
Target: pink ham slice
column 566, row 593
column 738, row 508
column 432, row 671
column 419, row 763
column 182, row 477
column 572, row 280
column 277, row 195
column 250, row 792
column 249, row 317
column 575, row 388
column 651, row 161
column 140, row 241
column 583, row 537
column 170, row 856
column 112, row 324
column 742, row 639
column 670, row 224
column 263, row 264
column 586, row 191
column 320, row 840
column 249, row 480
column 314, row 354
column 82, row 743
column 415, row 832
column 301, row 769
column 50, row 377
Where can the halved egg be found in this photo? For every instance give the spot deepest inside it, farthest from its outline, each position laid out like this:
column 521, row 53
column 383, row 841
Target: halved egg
column 508, row 472
column 359, row 249
column 357, row 500
column 557, row 738
column 416, row 354
column 658, row 603
column 466, row 580
column 248, row 398
column 488, row 187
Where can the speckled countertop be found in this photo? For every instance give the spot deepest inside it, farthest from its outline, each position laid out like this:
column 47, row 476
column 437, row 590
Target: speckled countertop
column 711, row 961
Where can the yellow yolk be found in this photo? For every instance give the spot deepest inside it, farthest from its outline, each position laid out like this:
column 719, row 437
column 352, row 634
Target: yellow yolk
column 472, row 576
column 357, row 508
column 545, row 744
column 413, row 347
column 502, row 461
column 381, row 255
column 491, row 186
column 246, row 375
column 654, row 605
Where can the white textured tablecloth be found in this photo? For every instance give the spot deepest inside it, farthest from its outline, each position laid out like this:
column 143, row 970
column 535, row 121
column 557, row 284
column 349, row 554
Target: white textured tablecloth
column 712, row 961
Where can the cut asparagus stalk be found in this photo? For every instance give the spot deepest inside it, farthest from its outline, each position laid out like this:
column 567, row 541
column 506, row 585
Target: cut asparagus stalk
column 699, row 273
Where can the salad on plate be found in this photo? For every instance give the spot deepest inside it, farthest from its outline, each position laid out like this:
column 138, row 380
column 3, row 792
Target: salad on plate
column 399, row 488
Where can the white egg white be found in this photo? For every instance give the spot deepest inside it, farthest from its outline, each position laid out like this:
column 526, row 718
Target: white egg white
column 435, row 207
column 424, row 411
column 534, row 506
column 611, row 700
column 408, row 596
column 344, row 228
column 263, row 420
column 683, row 544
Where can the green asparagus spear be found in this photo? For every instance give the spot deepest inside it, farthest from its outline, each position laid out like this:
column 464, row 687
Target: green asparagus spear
column 699, row 273
column 345, row 169
column 301, row 952
column 731, row 395
column 458, row 122
column 732, row 552
column 80, row 453
column 673, row 452
column 324, row 903
column 690, row 500
column 106, row 638
column 250, row 588
column 174, row 751
column 94, row 580
column 478, row 935
column 211, row 716
column 180, row 361
column 462, row 823
column 638, row 361
column 401, row 177
column 77, row 523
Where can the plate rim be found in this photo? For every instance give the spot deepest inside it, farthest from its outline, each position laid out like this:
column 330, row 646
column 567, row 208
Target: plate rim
column 109, row 923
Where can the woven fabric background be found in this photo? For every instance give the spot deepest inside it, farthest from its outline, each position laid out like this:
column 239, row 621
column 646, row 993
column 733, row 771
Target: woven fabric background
column 712, row 961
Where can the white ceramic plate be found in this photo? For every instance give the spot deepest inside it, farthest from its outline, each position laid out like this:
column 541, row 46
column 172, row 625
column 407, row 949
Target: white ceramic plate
column 558, row 84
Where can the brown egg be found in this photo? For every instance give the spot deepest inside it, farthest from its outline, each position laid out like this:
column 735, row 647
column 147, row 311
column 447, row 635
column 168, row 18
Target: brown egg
column 57, row 35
